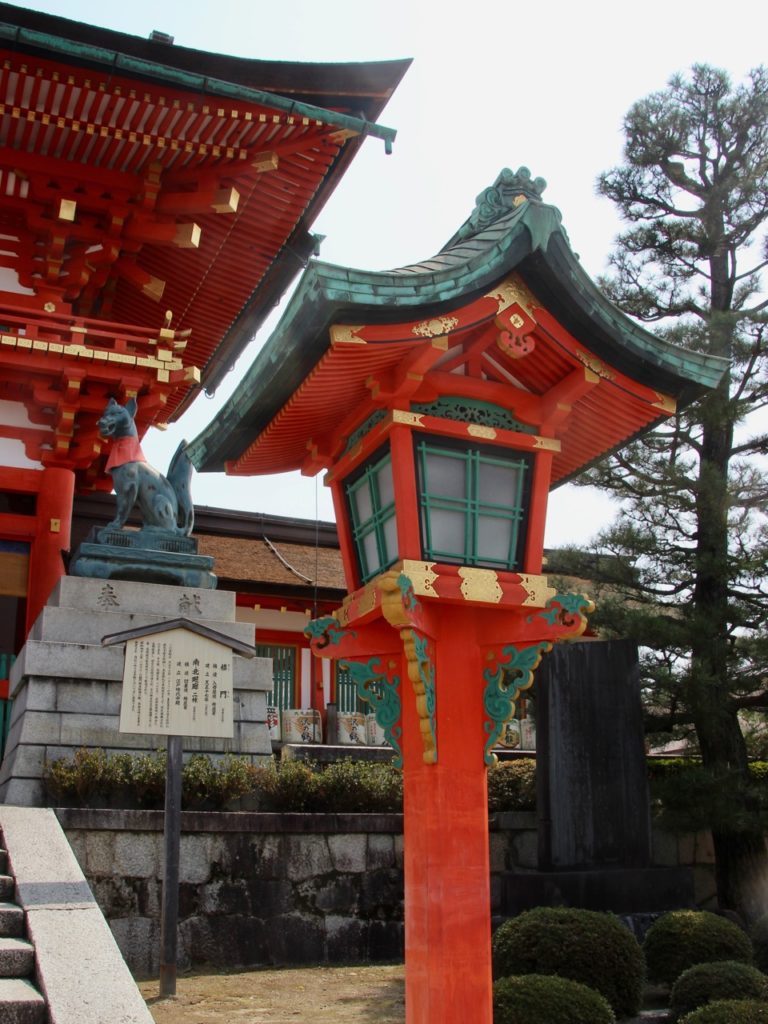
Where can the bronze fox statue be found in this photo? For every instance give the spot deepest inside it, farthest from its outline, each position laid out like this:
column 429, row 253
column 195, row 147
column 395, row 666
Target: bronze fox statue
column 164, row 502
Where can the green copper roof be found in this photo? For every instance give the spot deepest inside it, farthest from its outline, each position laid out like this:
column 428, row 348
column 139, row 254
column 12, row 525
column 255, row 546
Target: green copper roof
column 191, row 80
column 504, row 233
column 215, row 74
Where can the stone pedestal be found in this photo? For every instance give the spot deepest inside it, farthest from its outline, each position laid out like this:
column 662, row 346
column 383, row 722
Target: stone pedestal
column 66, row 687
column 149, row 555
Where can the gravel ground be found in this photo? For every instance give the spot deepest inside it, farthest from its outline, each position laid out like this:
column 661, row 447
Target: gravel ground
column 370, row 994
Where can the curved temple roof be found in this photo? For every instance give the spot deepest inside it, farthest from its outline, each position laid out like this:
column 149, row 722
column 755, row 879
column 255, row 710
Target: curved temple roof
column 512, row 244
column 182, row 180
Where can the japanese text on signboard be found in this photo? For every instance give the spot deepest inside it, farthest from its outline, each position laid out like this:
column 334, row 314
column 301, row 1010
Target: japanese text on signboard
column 177, row 683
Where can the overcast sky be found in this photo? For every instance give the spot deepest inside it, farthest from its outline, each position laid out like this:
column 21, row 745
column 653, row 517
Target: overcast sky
column 492, row 85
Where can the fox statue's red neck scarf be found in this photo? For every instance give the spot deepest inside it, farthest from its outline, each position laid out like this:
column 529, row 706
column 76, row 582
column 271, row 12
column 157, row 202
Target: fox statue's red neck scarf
column 124, row 449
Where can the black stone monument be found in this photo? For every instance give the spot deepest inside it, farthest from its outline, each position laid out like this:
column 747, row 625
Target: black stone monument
column 593, row 805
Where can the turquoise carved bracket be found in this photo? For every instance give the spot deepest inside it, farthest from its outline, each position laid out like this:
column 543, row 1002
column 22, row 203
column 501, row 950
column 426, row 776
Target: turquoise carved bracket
column 421, row 672
column 472, row 410
column 511, row 672
column 325, row 632
column 380, row 689
column 565, row 613
column 405, row 586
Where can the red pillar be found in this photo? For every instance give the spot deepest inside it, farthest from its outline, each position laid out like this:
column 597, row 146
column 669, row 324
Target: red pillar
column 455, row 652
column 54, row 526
column 447, row 872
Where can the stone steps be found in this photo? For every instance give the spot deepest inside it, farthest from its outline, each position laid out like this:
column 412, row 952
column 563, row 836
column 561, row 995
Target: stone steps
column 20, row 1001
column 11, row 920
column 17, row 958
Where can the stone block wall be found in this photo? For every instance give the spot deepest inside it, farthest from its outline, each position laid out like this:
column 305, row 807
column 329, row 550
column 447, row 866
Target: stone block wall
column 288, row 888
column 255, row 888
column 693, row 850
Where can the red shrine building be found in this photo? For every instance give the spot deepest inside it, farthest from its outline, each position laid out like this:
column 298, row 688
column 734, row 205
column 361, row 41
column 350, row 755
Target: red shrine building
column 155, row 203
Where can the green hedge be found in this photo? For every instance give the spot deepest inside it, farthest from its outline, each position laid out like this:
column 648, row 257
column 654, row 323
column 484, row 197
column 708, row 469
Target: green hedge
column 729, row 1011
column 512, row 785
column 536, row 999
column 683, row 938
column 343, row 787
column 94, row 778
column 593, row 948
column 722, row 979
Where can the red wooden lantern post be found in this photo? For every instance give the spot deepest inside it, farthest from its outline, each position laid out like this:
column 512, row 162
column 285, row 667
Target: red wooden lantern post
column 444, row 400
column 441, row 650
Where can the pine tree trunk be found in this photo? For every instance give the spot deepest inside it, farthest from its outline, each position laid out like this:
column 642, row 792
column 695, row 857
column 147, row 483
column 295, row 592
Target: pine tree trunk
column 740, row 852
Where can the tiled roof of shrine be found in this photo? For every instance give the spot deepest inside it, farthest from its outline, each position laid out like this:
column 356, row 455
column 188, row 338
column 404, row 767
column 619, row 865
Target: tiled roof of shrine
column 152, row 177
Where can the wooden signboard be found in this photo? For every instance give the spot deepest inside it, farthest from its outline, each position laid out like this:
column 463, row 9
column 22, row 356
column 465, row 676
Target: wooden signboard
column 177, row 683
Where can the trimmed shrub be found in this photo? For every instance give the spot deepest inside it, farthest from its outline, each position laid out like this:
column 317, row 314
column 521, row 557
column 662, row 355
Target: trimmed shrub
column 729, row 1011
column 512, row 785
column 208, row 784
column 343, row 787
column 683, row 938
column 540, row 999
column 285, row 786
column 94, row 778
column 360, row 786
column 759, row 936
column 722, row 979
column 583, row 945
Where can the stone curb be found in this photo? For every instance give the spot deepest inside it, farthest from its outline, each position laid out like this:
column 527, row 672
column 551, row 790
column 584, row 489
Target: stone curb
column 79, row 968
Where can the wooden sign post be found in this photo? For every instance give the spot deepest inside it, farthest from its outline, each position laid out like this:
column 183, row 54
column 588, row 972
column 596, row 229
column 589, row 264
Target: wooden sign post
column 177, row 681
column 169, row 912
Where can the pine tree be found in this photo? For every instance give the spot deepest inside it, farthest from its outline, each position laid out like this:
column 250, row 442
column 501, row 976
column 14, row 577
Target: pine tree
column 692, row 538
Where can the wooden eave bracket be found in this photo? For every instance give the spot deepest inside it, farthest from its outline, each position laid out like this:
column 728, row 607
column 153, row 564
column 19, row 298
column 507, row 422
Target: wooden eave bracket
column 187, row 375
column 183, row 236
column 400, row 383
column 201, row 201
column 266, row 161
column 269, row 160
column 319, row 458
column 558, row 401
column 152, row 287
column 523, row 405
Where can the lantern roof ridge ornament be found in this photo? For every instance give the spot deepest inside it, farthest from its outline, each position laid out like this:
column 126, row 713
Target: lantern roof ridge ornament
column 508, row 192
column 523, row 252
